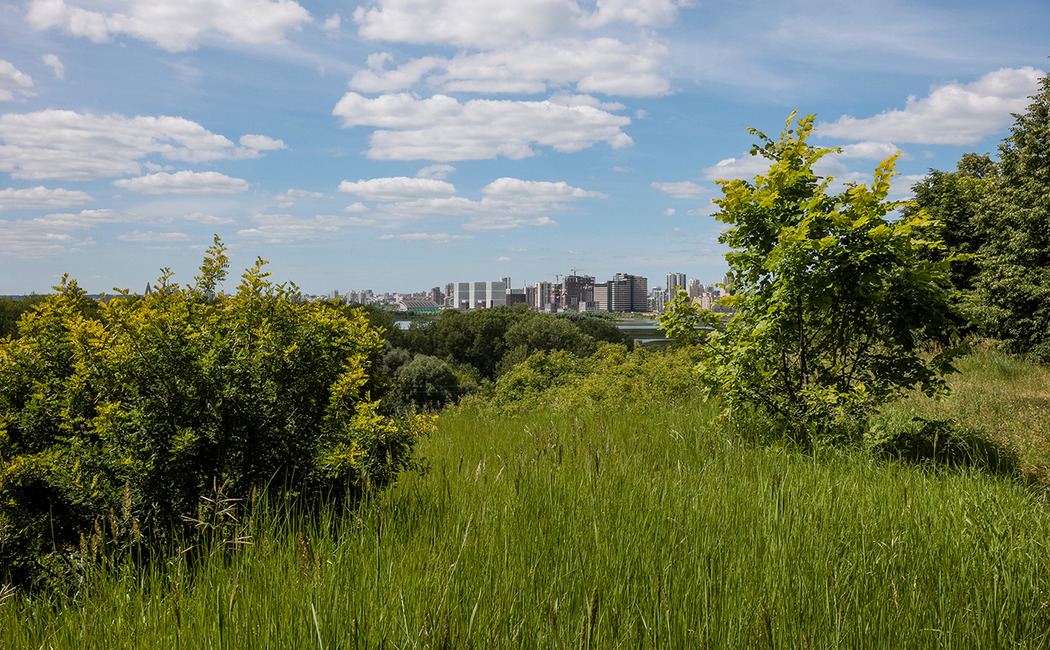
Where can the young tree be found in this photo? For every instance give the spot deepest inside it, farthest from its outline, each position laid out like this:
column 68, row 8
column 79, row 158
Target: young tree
column 1013, row 286
column 829, row 293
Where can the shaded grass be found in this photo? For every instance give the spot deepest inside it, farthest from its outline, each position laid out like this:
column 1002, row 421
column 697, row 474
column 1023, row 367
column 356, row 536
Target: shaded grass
column 996, row 397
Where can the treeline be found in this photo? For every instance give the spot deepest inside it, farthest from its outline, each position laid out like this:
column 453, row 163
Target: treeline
column 996, row 216
column 438, row 360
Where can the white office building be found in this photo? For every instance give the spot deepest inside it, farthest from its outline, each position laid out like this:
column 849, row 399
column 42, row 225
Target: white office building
column 477, row 295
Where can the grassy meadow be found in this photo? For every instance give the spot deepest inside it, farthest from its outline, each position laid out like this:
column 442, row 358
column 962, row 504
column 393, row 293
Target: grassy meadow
column 638, row 524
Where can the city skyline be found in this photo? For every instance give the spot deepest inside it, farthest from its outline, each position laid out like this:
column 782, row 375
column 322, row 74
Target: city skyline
column 379, row 144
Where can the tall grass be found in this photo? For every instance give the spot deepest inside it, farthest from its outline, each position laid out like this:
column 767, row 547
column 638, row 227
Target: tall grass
column 639, row 526
column 997, row 397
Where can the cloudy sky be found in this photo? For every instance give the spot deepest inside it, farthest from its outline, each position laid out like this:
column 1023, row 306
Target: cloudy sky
column 403, row 144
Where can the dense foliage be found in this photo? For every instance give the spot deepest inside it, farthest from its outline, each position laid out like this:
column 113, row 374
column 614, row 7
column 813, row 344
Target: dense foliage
column 163, row 400
column 437, row 361
column 953, row 200
column 11, row 309
column 1013, row 286
column 612, row 375
column 830, row 292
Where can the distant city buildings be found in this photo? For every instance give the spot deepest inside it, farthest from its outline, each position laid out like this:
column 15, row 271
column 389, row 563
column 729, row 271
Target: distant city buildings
column 576, row 292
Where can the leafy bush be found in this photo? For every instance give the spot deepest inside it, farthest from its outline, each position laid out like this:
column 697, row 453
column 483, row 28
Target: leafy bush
column 542, row 332
column 161, row 398
column 1013, row 283
column 426, row 383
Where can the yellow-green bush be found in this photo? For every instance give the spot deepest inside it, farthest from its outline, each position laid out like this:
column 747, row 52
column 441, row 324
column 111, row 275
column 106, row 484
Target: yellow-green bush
column 166, row 396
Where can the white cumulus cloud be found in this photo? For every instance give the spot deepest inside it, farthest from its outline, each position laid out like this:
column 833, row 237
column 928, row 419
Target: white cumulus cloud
column 871, row 150
column 440, row 238
column 174, row 25
column 400, row 188
column 288, row 198
column 953, row 114
column 52, row 61
column 515, row 189
column 465, row 23
column 81, row 146
column 41, row 198
column 600, row 65
column 332, row 23
column 184, row 182
column 261, row 142
column 52, row 235
column 441, row 128
column 286, row 228
column 439, row 171
column 208, row 219
column 505, row 203
column 13, row 82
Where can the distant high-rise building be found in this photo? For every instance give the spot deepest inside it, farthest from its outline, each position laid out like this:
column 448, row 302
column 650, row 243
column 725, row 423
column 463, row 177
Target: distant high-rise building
column 694, row 288
column 544, row 300
column 578, row 292
column 674, row 282
column 624, row 292
column 658, row 299
column 478, row 295
column 363, row 297
column 516, row 297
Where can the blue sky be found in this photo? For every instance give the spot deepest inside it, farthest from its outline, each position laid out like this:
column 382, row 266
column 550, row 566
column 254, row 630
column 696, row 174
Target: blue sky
column 399, row 145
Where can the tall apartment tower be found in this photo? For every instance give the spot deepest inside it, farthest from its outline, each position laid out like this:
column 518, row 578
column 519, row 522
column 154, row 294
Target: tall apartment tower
column 544, row 297
column 674, row 282
column 694, row 289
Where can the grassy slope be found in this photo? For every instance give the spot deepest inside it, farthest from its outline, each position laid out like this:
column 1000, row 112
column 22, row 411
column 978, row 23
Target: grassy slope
column 1000, row 398
column 634, row 527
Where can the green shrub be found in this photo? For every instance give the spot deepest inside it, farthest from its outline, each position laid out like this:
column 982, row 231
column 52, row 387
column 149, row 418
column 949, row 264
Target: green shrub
column 426, row 383
column 169, row 395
